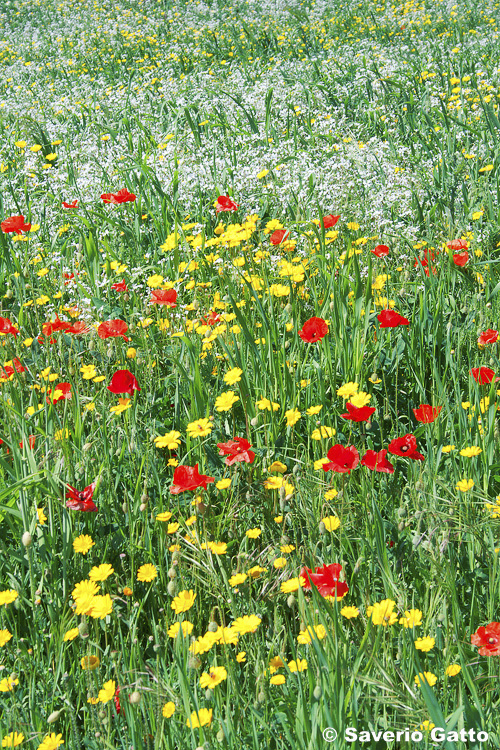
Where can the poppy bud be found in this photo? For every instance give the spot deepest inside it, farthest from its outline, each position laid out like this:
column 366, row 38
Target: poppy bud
column 172, row 588
column 176, row 556
column 401, row 525
column 54, row 716
column 144, row 497
column 126, row 297
column 208, row 694
column 322, row 528
column 172, row 573
column 142, row 507
column 110, row 351
column 261, row 697
column 9, row 294
column 14, row 676
column 26, row 539
column 91, row 345
column 213, row 627
column 196, row 305
column 291, row 601
column 220, row 735
column 194, row 662
column 124, row 507
column 83, row 629
column 317, row 692
column 255, row 421
column 134, row 697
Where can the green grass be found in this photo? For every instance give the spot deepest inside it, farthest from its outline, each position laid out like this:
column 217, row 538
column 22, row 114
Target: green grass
column 384, row 115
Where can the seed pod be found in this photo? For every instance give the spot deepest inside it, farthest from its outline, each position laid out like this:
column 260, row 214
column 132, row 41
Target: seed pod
column 87, row 447
column 134, row 697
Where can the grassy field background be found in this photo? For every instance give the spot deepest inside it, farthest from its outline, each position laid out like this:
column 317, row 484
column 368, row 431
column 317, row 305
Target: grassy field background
column 183, row 187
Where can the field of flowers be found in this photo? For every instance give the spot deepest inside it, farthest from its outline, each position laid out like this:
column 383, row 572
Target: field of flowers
column 250, row 293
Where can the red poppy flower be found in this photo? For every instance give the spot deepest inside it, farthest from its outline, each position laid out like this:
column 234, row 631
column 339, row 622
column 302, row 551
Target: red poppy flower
column 391, row 319
column 120, row 286
column 123, row 382
column 342, row 460
column 405, row 446
column 117, row 699
column 225, row 203
column 69, row 277
column 457, row 245
column 460, row 259
column 31, row 441
column 329, row 221
column 113, row 329
column 488, row 637
column 78, row 327
column 280, row 235
column 189, row 478
column 482, row 375
column 64, row 395
column 236, row 450
column 9, row 370
column 73, row 204
column 81, row 500
column 380, row 251
column 489, row 336
column 53, row 326
column 313, row 330
column 7, row 327
column 15, row 224
column 326, row 580
column 211, row 319
column 377, row 462
column 122, row 196
column 358, row 414
column 427, row 413
column 427, row 260
column 165, row 297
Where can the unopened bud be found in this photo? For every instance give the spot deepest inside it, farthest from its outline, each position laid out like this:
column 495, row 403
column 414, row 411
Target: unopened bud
column 134, row 697
column 291, row 601
column 124, row 507
column 83, row 629
column 172, row 588
column 322, row 528
column 172, row 573
column 220, row 735
column 213, row 627
column 26, row 539
column 142, row 507
column 255, row 421
column 317, row 692
column 54, row 716
column 208, row 694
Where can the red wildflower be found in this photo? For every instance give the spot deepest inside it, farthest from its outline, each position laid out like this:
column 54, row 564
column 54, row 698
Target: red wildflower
column 122, row 196
column 358, row 414
column 488, row 637
column 405, row 446
column 427, row 413
column 391, row 319
column 342, row 460
column 64, row 393
column 225, row 203
column 482, row 375
column 9, row 370
column 487, row 337
column 120, row 286
column 78, row 327
column 329, row 221
column 31, row 441
column 15, row 224
column 460, row 259
column 123, row 382
column 73, row 204
column 7, row 327
column 165, row 297
column 457, row 245
column 326, row 580
column 211, row 319
column 429, row 256
column 81, row 500
column 113, row 329
column 380, row 251
column 117, row 699
column 280, row 235
column 56, row 325
column 236, row 450
column 377, row 462
column 313, row 330
column 189, row 478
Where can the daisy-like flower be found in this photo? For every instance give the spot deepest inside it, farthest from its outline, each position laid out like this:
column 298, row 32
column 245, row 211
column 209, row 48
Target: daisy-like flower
column 185, row 626
column 347, row 390
column 101, row 607
column 425, row 677
column 349, row 612
column 101, row 572
column 165, row 516
column 310, row 633
column 314, row 410
column 238, row 579
column 382, row 613
column 425, row 644
column 168, row 710
column 13, row 739
column 233, row 376
column 183, row 601
column 292, row 416
column 453, row 670
column 411, row 618
column 170, row 440
column 107, row 691
column 214, row 677
column 200, row 428
column 200, row 718
column 83, row 543
column 277, row 679
column 51, row 742
column 247, row 624
column 70, row 635
column 474, row 450
column 331, row 523
column 299, row 665
column 6, row 597
column 8, row 684
column 147, row 573
column 5, row 637
column 90, row 662
column 253, row 533
column 225, row 401
column 464, row 485
column 266, row 404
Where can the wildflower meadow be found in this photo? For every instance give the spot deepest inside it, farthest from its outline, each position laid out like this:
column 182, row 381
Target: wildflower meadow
column 249, row 374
